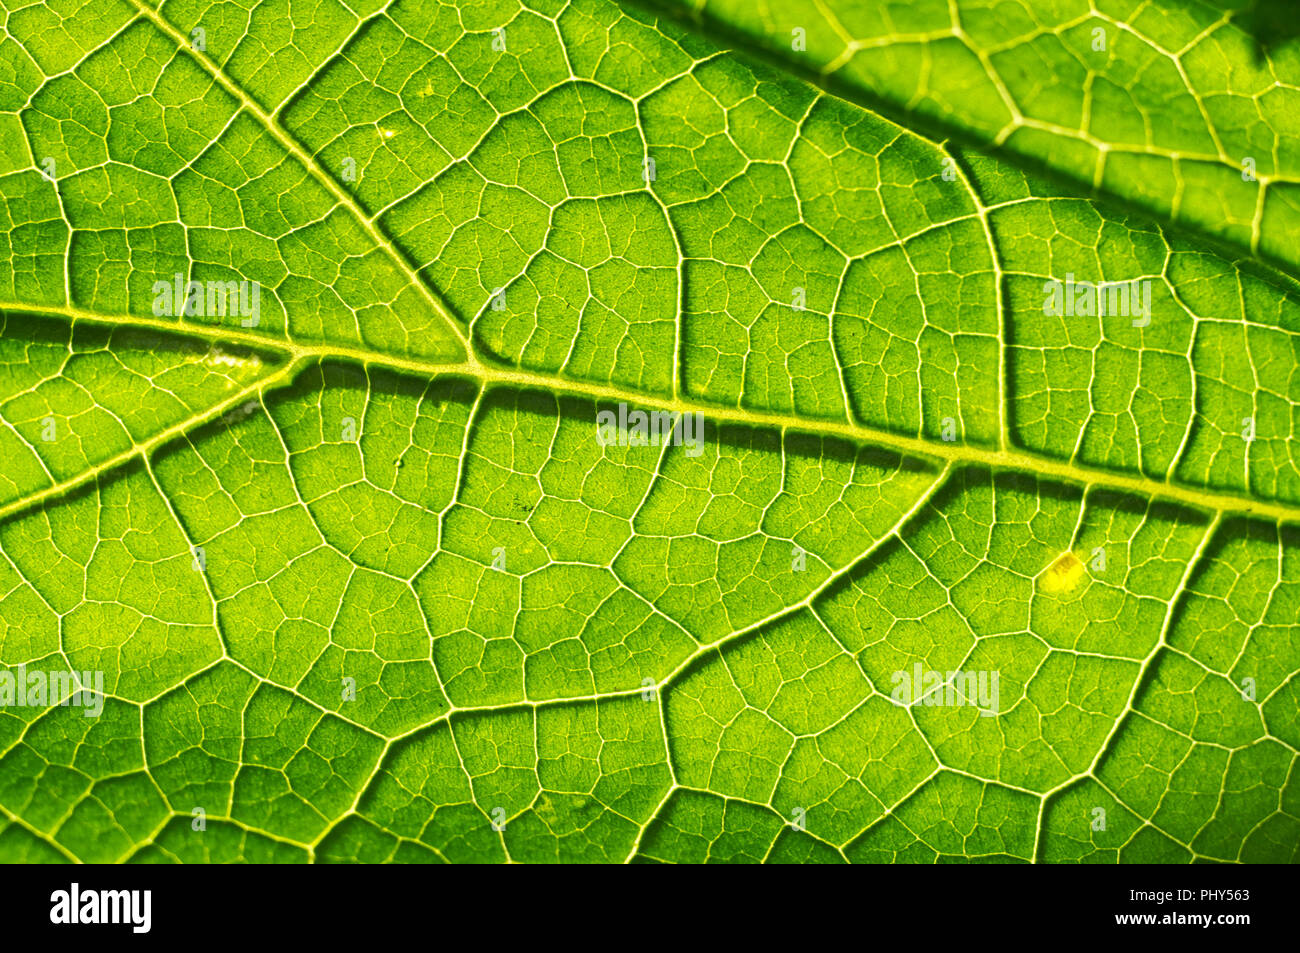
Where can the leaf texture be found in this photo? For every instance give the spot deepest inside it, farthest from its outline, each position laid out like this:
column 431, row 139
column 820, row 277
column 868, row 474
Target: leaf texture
column 476, row 228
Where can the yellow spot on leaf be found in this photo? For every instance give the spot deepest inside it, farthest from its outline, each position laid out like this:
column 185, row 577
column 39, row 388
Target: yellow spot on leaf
column 217, row 358
column 1062, row 575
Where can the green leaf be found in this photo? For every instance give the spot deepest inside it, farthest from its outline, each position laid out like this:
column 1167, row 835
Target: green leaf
column 360, row 578
column 1170, row 107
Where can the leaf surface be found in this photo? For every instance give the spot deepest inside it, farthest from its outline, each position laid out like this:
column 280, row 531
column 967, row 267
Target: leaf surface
column 563, row 649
